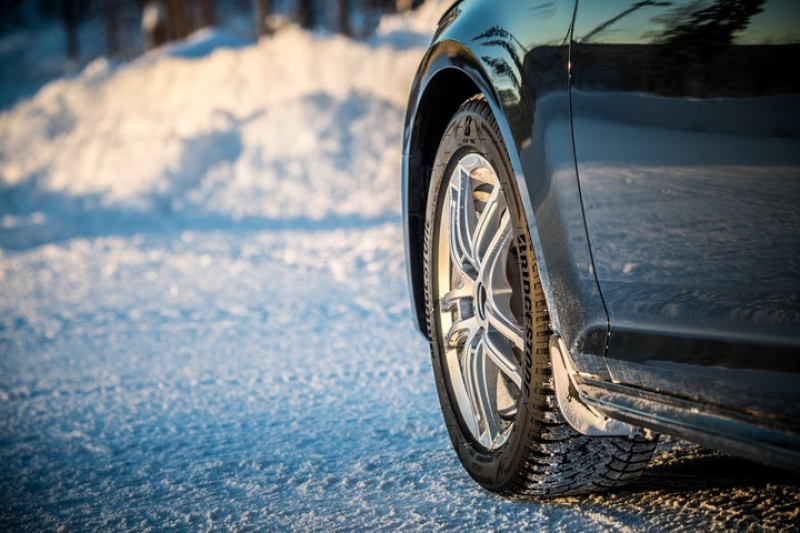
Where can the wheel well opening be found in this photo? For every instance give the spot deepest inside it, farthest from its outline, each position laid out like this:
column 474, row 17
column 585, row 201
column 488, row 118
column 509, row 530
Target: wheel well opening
column 442, row 98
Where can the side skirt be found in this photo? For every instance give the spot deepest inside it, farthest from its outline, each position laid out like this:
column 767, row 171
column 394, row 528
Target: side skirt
column 598, row 407
column 759, row 438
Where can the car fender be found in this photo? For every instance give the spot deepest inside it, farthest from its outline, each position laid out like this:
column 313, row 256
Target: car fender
column 472, row 55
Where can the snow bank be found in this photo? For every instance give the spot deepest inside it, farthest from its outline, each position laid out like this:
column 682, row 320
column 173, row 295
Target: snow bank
column 299, row 126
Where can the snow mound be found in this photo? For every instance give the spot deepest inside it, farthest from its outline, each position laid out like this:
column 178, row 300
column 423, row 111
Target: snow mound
column 298, row 126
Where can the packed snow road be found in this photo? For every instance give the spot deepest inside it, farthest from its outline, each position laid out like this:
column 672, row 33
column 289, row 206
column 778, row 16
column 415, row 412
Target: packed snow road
column 204, row 322
column 254, row 379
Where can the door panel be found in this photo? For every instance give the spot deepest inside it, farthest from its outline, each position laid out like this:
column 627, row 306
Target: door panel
column 686, row 124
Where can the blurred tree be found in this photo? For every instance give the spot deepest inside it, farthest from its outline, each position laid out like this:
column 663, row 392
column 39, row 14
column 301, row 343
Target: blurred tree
column 695, row 38
column 263, row 8
column 154, row 24
column 607, row 24
column 177, row 18
column 707, row 28
column 305, row 12
column 48, row 8
column 208, row 13
column 70, row 19
column 111, row 17
column 407, row 5
column 9, row 12
column 344, row 17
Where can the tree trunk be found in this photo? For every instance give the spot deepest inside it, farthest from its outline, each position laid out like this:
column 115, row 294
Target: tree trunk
column 208, row 13
column 70, row 19
column 155, row 26
column 306, row 14
column 177, row 18
column 111, row 25
column 344, row 17
column 263, row 8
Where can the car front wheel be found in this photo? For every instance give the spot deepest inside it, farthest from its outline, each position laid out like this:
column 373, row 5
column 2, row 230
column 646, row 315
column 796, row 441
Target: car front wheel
column 490, row 330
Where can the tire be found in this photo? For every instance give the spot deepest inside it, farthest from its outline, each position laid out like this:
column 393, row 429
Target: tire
column 490, row 329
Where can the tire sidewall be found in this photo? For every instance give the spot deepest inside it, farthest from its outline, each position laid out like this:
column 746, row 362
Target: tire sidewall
column 476, row 131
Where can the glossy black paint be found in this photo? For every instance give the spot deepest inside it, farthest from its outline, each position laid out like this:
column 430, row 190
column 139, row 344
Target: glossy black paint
column 657, row 155
column 686, row 123
column 516, row 54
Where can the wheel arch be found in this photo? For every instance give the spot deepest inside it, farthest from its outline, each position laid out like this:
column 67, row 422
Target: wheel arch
column 442, row 96
column 449, row 75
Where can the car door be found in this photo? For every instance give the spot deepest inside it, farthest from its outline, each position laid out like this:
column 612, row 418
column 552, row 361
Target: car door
column 686, row 127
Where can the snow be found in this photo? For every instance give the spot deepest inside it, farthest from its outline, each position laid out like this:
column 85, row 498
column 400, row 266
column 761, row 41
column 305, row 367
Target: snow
column 204, row 321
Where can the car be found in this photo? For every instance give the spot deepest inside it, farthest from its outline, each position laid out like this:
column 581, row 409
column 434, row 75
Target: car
column 601, row 208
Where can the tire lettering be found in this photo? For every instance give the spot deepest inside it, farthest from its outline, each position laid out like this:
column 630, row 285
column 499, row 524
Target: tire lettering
column 522, row 246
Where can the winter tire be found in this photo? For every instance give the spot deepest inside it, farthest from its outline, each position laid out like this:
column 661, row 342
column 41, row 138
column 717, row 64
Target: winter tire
column 489, row 328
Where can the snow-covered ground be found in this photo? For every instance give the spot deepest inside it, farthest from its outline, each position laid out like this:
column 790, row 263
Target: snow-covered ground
column 204, row 322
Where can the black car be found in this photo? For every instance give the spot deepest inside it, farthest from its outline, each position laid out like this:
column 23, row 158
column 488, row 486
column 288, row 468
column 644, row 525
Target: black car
column 602, row 224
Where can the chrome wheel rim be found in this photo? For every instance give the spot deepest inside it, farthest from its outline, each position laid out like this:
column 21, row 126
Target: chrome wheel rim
column 480, row 304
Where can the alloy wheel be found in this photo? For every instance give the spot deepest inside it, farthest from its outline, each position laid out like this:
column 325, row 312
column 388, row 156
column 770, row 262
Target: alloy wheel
column 480, row 310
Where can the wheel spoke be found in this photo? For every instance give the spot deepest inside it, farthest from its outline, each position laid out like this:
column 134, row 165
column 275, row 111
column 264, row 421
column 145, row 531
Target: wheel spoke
column 499, row 317
column 462, row 220
column 503, row 357
column 476, row 373
column 451, row 298
column 459, row 329
column 489, row 223
column 493, row 276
